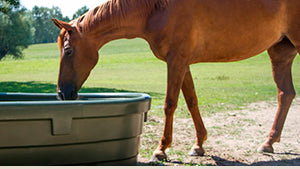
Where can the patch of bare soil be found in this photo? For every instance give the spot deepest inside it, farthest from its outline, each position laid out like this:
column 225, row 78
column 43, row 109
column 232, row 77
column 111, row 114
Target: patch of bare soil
column 233, row 138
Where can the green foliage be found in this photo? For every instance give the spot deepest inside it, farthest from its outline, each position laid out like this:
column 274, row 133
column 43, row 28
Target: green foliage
column 7, row 6
column 80, row 12
column 20, row 27
column 44, row 30
column 15, row 32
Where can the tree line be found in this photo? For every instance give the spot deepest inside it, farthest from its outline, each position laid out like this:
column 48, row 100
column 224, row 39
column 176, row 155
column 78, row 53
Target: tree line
column 20, row 27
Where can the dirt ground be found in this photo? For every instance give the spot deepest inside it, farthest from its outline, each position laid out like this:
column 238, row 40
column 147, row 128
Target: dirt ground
column 233, row 138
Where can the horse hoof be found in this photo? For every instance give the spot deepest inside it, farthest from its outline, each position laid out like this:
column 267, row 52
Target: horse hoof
column 196, row 152
column 158, row 156
column 265, row 149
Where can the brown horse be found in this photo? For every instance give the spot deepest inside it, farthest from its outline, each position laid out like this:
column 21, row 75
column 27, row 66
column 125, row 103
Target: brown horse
column 181, row 33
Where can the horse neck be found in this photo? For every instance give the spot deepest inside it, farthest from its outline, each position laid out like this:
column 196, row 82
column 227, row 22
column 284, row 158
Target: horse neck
column 116, row 20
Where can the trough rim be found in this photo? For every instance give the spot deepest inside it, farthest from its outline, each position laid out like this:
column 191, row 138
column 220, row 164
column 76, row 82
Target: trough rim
column 125, row 97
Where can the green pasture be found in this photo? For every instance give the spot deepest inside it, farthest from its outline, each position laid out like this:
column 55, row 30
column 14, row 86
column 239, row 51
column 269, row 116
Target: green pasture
column 130, row 66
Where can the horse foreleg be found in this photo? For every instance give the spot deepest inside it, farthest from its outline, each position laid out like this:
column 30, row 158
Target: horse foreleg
column 189, row 93
column 282, row 56
column 177, row 66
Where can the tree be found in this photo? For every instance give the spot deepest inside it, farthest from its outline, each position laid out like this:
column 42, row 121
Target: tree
column 80, row 12
column 45, row 30
column 15, row 29
column 8, row 5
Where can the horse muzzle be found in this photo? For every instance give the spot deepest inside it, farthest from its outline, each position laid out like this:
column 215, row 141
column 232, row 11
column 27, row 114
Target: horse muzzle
column 67, row 95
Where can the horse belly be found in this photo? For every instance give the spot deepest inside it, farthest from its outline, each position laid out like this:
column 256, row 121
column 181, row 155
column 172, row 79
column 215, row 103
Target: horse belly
column 233, row 49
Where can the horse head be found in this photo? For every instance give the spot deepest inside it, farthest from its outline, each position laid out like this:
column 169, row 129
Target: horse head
column 78, row 56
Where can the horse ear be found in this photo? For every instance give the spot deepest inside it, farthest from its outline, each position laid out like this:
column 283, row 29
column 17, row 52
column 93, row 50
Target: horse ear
column 62, row 24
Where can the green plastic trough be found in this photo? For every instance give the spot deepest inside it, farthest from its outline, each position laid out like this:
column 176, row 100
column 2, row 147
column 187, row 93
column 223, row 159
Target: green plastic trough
column 101, row 129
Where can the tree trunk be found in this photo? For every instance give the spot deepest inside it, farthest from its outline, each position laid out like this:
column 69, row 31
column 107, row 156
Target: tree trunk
column 3, row 52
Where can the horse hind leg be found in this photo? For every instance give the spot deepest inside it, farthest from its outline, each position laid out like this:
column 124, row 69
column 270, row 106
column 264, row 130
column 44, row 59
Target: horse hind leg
column 282, row 55
column 189, row 93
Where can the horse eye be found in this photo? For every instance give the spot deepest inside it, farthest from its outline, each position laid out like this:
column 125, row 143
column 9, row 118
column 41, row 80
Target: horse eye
column 68, row 51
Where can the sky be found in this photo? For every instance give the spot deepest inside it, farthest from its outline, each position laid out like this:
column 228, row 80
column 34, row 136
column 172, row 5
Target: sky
column 68, row 7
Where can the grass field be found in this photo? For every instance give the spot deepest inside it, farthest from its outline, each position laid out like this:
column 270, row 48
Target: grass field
column 129, row 65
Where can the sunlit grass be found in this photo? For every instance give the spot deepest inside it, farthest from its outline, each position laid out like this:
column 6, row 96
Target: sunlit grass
column 129, row 65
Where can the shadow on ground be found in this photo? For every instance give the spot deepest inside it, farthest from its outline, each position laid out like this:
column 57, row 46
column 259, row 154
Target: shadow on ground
column 291, row 162
column 37, row 87
column 224, row 162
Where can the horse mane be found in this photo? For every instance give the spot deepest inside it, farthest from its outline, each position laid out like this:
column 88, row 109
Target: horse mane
column 117, row 9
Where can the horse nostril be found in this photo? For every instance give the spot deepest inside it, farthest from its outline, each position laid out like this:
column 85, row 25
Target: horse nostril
column 67, row 94
column 60, row 95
